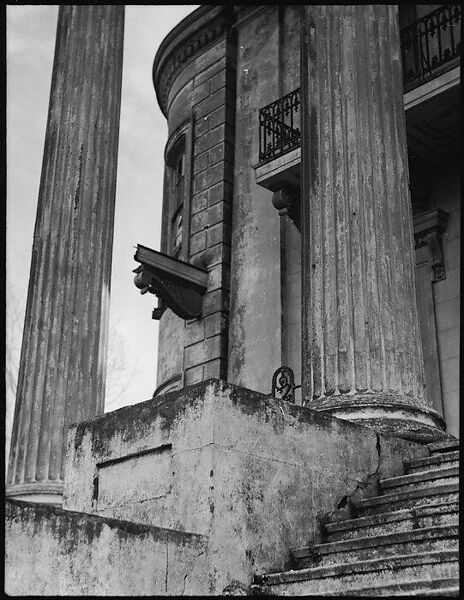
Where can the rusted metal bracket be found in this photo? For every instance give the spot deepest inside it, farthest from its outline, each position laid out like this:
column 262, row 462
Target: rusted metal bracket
column 178, row 284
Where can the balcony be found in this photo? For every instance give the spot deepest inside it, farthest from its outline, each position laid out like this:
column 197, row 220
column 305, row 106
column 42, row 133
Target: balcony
column 429, row 47
column 279, row 127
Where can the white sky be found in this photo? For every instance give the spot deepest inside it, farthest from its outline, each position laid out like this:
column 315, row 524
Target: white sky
column 143, row 132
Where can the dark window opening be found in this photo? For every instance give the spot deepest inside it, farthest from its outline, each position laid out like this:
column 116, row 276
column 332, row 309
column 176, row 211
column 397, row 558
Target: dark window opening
column 176, row 164
column 177, row 232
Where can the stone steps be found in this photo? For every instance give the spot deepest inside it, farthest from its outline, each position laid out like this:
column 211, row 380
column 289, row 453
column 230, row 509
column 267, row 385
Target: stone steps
column 391, row 544
column 408, row 499
column 394, row 521
column 431, row 462
column 367, row 573
column 403, row 541
column 427, row 478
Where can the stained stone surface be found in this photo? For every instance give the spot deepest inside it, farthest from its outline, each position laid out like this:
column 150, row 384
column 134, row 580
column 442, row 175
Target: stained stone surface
column 362, row 355
column 62, row 366
column 70, row 553
column 254, row 474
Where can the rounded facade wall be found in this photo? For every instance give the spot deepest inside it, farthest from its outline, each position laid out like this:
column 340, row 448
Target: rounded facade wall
column 194, row 76
column 239, row 336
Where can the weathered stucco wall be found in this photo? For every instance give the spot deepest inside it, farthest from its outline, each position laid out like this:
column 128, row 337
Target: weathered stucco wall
column 170, row 347
column 291, row 299
column 289, row 72
column 289, row 66
column 255, row 311
column 50, row 551
column 254, row 474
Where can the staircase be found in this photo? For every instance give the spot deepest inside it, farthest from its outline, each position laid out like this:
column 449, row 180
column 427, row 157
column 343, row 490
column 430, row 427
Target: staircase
column 404, row 541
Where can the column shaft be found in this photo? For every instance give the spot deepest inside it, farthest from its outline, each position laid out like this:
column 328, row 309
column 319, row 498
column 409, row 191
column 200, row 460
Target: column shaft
column 62, row 366
column 362, row 354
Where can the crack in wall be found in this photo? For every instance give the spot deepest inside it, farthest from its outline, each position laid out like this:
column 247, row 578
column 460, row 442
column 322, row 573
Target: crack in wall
column 261, row 457
column 346, row 502
column 195, row 558
column 167, row 570
column 361, row 485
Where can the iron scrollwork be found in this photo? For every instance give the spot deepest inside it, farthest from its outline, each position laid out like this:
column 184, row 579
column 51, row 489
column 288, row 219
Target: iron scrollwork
column 283, row 384
column 429, row 43
column 279, row 126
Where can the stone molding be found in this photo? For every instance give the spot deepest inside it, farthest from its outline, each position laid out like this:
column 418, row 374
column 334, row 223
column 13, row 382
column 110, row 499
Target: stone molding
column 431, row 88
column 184, row 43
column 202, row 28
column 170, row 385
column 30, row 488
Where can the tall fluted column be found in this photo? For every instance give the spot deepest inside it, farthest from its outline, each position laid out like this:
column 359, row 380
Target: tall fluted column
column 62, row 366
column 362, row 355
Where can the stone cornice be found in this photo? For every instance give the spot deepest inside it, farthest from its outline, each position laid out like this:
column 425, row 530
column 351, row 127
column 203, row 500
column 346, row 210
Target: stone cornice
column 431, row 220
column 190, row 37
column 179, row 284
column 194, row 33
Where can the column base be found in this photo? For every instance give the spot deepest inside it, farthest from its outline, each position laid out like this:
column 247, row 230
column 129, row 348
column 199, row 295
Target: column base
column 386, row 414
column 47, row 492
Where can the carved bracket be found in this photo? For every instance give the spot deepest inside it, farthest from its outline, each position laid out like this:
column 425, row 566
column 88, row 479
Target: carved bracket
column 287, row 201
column 178, row 285
column 428, row 230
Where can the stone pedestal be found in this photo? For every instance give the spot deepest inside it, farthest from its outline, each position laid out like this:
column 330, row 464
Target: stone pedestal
column 62, row 366
column 252, row 473
column 362, row 356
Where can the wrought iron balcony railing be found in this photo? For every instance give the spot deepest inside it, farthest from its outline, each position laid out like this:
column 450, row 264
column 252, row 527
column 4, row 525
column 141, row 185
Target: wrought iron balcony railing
column 429, row 45
column 279, row 126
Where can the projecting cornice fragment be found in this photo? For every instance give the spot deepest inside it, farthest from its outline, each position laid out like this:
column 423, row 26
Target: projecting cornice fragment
column 428, row 230
column 179, row 284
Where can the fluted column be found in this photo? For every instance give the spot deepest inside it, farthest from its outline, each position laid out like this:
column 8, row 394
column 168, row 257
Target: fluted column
column 62, row 366
column 362, row 355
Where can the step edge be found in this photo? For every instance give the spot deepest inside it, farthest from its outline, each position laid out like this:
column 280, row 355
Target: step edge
column 424, row 592
column 448, row 488
column 410, row 582
column 431, row 460
column 390, row 516
column 420, row 476
column 442, row 446
column 447, row 531
column 376, row 563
